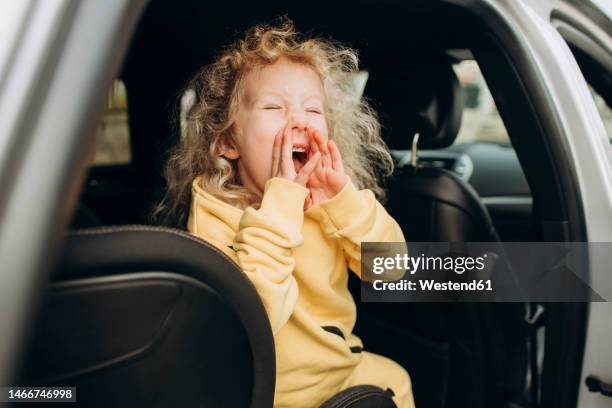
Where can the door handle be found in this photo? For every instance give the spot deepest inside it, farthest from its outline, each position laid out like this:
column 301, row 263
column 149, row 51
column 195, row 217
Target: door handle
column 596, row 385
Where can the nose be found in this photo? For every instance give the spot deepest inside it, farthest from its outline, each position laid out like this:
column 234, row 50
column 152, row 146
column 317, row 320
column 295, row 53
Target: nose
column 297, row 121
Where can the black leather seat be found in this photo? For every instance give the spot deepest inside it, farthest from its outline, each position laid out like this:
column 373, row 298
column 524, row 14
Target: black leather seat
column 433, row 203
column 149, row 316
column 458, row 355
column 437, row 205
column 361, row 396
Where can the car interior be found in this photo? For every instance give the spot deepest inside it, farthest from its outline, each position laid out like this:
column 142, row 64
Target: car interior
column 134, row 305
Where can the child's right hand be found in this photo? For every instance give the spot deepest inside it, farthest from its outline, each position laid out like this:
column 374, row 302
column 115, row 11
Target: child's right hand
column 282, row 159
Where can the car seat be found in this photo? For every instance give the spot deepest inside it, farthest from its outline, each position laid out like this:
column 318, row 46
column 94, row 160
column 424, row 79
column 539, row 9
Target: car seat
column 150, row 316
column 361, row 396
column 443, row 206
column 462, row 354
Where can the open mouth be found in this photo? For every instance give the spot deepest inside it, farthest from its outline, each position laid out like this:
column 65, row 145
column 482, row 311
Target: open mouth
column 300, row 157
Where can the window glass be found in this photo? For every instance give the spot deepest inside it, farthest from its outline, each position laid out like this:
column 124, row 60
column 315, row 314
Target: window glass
column 604, row 111
column 587, row 64
column 187, row 101
column 113, row 134
column 481, row 121
column 359, row 80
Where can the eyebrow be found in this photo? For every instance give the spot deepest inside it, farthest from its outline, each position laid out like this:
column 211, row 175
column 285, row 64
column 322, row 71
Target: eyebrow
column 317, row 96
column 263, row 96
column 267, row 95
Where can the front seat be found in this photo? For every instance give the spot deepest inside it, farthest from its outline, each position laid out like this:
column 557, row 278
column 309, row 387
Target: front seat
column 442, row 206
column 151, row 316
column 462, row 354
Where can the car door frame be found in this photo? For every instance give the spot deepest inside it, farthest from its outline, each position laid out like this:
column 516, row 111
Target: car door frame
column 577, row 142
column 586, row 29
column 63, row 59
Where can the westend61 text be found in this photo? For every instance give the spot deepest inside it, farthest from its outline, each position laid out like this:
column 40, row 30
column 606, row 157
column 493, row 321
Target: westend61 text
column 431, row 285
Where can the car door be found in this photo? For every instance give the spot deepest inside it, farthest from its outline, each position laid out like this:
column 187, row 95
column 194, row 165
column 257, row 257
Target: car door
column 57, row 59
column 587, row 29
column 580, row 176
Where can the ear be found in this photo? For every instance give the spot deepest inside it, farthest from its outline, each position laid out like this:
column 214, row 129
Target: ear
column 228, row 150
column 231, row 154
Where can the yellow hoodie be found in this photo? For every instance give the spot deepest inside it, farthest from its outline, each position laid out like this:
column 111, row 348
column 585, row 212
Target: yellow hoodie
column 298, row 262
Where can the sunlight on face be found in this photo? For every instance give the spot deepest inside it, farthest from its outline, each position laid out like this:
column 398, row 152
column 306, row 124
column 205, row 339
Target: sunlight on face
column 282, row 93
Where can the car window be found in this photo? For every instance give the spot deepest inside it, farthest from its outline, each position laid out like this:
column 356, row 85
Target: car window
column 589, row 56
column 481, row 121
column 604, row 111
column 359, row 81
column 112, row 146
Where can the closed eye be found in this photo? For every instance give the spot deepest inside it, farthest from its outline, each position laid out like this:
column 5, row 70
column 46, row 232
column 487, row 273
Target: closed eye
column 313, row 111
column 272, row 107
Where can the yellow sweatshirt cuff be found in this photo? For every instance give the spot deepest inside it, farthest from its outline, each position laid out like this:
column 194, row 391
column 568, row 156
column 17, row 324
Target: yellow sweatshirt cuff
column 345, row 207
column 284, row 196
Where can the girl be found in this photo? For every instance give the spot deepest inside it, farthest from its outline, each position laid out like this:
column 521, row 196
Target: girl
column 272, row 168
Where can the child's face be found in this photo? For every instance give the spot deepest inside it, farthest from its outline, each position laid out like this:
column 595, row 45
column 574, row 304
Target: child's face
column 282, row 93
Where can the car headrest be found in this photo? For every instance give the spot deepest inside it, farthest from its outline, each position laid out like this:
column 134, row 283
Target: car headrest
column 422, row 97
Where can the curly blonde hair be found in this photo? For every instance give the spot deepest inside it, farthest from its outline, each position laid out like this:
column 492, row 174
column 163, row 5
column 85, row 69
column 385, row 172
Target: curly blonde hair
column 352, row 122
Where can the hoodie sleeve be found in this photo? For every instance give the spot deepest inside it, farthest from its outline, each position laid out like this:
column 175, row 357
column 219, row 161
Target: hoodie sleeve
column 355, row 216
column 264, row 246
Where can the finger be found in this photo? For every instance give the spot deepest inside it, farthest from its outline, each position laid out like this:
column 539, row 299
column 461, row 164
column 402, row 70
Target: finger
column 336, row 157
column 312, row 142
column 307, row 203
column 314, row 148
column 276, row 150
column 325, row 157
column 286, row 160
column 306, row 171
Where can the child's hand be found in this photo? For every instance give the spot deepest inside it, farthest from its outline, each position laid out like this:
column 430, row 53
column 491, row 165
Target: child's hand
column 328, row 177
column 282, row 159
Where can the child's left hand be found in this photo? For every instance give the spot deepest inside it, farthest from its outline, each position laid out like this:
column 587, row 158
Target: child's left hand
column 328, row 177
